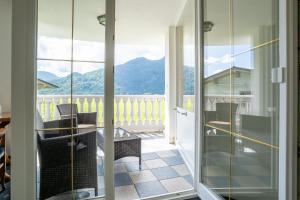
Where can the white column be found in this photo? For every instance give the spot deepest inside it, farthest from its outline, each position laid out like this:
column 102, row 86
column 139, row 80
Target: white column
column 170, row 85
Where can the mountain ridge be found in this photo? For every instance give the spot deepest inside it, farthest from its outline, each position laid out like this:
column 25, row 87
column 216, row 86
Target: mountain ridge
column 135, row 77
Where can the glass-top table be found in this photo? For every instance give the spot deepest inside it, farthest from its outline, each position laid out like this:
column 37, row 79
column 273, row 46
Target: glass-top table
column 125, row 144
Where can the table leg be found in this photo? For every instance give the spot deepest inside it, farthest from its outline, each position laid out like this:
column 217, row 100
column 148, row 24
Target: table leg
column 140, row 162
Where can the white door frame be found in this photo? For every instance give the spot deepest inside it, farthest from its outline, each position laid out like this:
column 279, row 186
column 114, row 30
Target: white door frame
column 288, row 19
column 288, row 48
column 109, row 100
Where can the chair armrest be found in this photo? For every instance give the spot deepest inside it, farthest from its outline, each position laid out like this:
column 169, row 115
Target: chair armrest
column 87, row 118
column 61, row 123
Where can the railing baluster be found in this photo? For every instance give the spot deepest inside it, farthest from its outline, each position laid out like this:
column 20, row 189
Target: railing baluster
column 118, row 121
column 139, row 122
column 153, row 122
column 89, row 102
column 97, row 109
column 101, row 110
column 132, row 120
column 147, row 121
column 47, row 109
column 125, row 114
column 160, row 124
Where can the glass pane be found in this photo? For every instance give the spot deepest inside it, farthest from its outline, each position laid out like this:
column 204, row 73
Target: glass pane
column 255, row 160
column 54, row 29
column 217, row 90
column 241, row 98
column 54, row 153
column 187, row 27
column 89, row 34
column 87, row 95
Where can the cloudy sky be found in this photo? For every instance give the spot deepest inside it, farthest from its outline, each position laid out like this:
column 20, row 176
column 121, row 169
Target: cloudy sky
column 218, row 58
column 54, row 48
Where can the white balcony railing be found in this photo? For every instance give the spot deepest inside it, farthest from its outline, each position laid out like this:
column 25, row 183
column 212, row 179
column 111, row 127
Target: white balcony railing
column 133, row 112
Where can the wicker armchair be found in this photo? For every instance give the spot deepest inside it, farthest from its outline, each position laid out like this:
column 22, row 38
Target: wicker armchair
column 223, row 118
column 55, row 156
column 66, row 110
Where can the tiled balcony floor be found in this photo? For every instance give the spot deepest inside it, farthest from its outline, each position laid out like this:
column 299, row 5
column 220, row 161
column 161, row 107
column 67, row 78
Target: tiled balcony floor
column 163, row 171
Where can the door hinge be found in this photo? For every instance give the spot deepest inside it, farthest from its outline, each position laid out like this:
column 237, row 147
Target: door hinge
column 278, row 75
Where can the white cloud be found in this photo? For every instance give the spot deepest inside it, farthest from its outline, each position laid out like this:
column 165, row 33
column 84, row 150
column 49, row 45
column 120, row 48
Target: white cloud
column 57, row 48
column 211, row 60
column 227, row 58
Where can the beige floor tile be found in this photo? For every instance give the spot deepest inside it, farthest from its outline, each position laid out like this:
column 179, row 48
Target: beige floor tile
column 164, row 154
column 142, row 176
column 156, row 163
column 176, row 184
column 182, row 170
column 126, row 193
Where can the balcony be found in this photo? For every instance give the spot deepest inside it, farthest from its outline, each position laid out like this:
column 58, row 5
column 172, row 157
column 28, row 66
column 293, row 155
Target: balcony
column 139, row 113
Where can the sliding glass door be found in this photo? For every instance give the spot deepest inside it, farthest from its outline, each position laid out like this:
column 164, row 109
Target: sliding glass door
column 73, row 71
column 240, row 135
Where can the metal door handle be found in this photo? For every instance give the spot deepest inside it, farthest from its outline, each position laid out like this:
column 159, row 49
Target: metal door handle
column 184, row 113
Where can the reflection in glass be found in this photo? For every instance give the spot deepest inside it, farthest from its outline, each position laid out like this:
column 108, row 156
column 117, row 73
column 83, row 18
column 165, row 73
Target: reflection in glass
column 241, row 102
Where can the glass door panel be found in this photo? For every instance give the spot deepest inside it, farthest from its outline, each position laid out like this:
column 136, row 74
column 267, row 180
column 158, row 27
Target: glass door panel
column 241, row 101
column 70, row 99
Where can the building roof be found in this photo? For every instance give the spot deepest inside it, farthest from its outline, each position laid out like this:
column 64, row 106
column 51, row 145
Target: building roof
column 225, row 73
column 45, row 85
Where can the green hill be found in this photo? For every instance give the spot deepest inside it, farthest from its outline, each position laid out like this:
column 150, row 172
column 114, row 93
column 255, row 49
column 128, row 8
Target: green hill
column 136, row 77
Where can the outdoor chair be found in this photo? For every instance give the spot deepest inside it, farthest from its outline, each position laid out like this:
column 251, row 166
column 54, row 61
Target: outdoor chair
column 223, row 117
column 57, row 160
column 84, row 120
column 217, row 125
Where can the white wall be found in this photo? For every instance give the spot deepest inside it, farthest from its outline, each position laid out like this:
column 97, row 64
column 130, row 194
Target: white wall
column 5, row 54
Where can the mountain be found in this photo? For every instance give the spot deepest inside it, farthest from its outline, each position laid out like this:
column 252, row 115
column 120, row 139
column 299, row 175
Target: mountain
column 136, row 77
column 46, row 76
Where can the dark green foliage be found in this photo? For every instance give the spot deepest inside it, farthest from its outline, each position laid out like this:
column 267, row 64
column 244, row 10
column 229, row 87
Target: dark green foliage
column 136, row 77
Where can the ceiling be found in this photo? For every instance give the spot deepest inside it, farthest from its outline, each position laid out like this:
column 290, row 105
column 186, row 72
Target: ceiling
column 137, row 21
